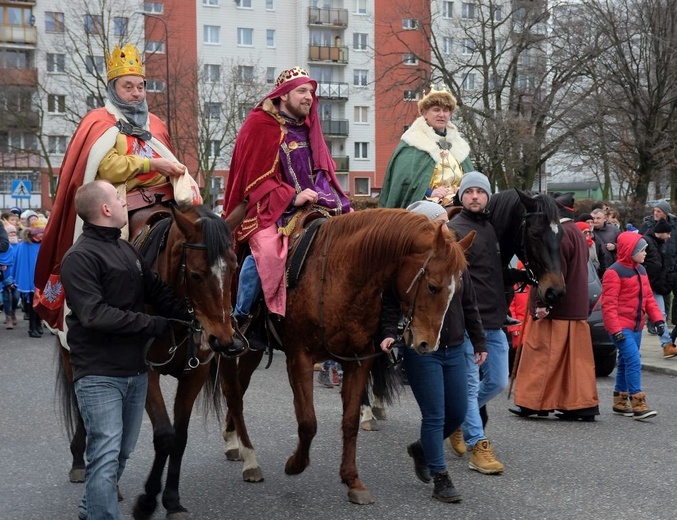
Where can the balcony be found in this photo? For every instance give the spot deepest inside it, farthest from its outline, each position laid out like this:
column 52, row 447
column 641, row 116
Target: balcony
column 335, row 127
column 11, row 120
column 19, row 159
column 333, row 90
column 328, row 17
column 342, row 163
column 19, row 77
column 18, row 34
column 318, row 53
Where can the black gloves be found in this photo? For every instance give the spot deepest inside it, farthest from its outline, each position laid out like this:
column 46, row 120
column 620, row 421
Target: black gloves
column 619, row 336
column 660, row 327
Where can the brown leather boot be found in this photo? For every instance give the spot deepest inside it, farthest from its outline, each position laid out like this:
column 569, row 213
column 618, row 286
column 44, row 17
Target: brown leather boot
column 622, row 404
column 640, row 410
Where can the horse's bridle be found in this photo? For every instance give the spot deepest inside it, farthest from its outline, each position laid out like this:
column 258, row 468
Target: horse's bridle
column 531, row 276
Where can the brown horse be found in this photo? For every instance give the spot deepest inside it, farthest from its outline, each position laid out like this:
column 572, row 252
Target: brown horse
column 334, row 313
column 198, row 261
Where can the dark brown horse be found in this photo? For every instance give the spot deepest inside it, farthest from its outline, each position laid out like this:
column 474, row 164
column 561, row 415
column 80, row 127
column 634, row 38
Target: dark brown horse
column 198, row 261
column 334, row 313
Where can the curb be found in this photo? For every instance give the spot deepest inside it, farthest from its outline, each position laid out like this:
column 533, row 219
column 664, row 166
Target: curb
column 660, row 370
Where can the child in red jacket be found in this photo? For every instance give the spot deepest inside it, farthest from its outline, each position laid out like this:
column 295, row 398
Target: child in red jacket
column 626, row 297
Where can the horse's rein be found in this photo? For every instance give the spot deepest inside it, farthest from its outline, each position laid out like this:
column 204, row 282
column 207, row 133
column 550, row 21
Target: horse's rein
column 531, row 276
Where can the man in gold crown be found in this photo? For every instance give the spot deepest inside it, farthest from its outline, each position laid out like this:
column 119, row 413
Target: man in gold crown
column 280, row 165
column 431, row 158
column 121, row 142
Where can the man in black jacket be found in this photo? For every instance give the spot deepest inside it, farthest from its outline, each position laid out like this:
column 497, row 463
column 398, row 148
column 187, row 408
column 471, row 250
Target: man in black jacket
column 107, row 285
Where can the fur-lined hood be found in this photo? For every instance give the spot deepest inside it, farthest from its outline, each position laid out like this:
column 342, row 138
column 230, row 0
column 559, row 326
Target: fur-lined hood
column 421, row 136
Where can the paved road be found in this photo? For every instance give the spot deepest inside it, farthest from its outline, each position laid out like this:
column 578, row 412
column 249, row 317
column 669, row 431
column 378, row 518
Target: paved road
column 615, row 468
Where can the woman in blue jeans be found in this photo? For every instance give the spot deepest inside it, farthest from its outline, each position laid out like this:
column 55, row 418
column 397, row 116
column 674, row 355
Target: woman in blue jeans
column 438, row 380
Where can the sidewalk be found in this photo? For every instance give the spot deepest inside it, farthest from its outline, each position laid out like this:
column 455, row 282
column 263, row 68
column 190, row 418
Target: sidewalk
column 652, row 356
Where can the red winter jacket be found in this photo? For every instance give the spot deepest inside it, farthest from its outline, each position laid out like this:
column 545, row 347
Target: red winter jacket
column 626, row 293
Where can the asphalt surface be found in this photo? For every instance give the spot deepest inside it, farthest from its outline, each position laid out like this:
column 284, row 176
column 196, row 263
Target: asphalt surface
column 615, row 468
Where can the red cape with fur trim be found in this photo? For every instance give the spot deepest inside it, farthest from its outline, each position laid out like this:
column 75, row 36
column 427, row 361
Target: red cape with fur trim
column 58, row 236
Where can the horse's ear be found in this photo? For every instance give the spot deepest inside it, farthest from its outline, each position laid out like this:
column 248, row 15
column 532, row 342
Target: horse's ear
column 527, row 200
column 186, row 225
column 453, row 210
column 237, row 215
column 467, row 240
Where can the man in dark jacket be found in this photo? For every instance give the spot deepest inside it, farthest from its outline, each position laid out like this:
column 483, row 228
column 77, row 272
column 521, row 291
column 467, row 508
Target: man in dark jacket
column 107, row 285
column 606, row 233
column 656, row 265
column 486, row 272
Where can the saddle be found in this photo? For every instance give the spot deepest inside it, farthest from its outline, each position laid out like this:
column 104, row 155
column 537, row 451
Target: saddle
column 300, row 241
column 146, row 207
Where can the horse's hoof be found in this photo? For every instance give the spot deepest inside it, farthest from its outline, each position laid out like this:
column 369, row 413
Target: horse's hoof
column 379, row 413
column 293, row 468
column 144, row 507
column 361, row 497
column 179, row 515
column 252, row 475
column 76, row 475
column 370, row 426
column 233, row 454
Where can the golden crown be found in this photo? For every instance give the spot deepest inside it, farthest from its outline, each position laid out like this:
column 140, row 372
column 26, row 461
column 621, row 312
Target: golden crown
column 289, row 74
column 124, row 62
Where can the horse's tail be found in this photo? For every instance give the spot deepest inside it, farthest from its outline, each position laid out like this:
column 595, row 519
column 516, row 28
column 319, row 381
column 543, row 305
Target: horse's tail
column 211, row 395
column 386, row 380
column 65, row 394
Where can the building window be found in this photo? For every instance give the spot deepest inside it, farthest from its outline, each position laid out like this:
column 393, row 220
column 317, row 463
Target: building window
column 245, row 73
column 212, row 34
column 56, row 104
column 468, row 11
column 362, row 186
column 360, row 41
column 497, row 14
column 270, row 5
column 468, row 46
column 245, row 37
column 361, row 150
column 409, row 24
column 270, row 75
column 270, row 37
column 448, row 9
column 56, row 62
column 409, row 59
column 360, row 77
column 212, row 73
column 54, row 22
column 57, row 144
column 446, row 44
column 155, row 85
column 361, row 115
column 214, row 148
column 469, row 82
column 153, row 7
column 360, row 7
column 155, row 46
column 210, row 3
column 14, row 15
column 120, row 25
column 212, row 110
column 525, row 82
column 94, row 24
column 14, row 59
column 244, row 3
column 93, row 102
column 410, row 95
column 94, row 64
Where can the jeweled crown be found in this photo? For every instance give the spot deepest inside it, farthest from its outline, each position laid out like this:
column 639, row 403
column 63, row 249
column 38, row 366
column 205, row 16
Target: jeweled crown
column 125, row 61
column 289, row 74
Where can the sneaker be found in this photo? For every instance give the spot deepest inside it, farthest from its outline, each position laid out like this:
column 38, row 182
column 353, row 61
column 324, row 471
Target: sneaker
column 415, row 451
column 622, row 404
column 669, row 350
column 482, row 459
column 324, row 379
column 457, row 443
column 444, row 488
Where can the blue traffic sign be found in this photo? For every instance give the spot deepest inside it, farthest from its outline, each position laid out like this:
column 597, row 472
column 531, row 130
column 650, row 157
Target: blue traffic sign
column 21, row 189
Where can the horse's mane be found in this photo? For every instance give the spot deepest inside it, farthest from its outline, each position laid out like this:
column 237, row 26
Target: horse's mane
column 216, row 234
column 506, row 205
column 376, row 236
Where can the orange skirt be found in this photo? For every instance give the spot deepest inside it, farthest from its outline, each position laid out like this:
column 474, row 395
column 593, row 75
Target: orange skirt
column 557, row 368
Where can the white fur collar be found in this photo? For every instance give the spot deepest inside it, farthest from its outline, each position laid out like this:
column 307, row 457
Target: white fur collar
column 421, row 136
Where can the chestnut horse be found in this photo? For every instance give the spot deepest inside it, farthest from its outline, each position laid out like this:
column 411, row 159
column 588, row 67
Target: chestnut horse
column 198, row 261
column 333, row 313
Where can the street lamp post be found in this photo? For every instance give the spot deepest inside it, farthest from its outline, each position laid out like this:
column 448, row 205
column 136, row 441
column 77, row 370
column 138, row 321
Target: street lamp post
column 169, row 117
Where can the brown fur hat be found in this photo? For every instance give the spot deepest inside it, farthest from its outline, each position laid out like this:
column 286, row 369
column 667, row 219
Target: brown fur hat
column 441, row 98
